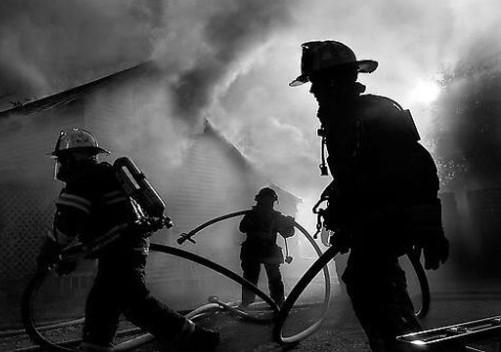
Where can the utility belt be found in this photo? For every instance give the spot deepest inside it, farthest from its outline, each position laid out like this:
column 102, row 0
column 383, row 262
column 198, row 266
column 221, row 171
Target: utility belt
column 261, row 237
column 264, row 252
column 389, row 225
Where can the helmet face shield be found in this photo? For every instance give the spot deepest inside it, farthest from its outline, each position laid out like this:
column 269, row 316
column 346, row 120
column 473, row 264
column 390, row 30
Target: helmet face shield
column 62, row 167
column 70, row 163
column 57, row 169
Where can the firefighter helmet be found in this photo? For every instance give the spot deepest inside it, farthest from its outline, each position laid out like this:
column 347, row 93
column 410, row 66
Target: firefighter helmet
column 322, row 55
column 76, row 139
column 266, row 192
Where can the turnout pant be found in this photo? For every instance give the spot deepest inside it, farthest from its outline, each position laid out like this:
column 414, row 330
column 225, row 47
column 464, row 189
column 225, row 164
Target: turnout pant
column 378, row 291
column 119, row 287
column 251, row 269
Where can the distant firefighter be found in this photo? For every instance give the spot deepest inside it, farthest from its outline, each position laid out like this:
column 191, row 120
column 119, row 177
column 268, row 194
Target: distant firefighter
column 95, row 208
column 383, row 197
column 261, row 225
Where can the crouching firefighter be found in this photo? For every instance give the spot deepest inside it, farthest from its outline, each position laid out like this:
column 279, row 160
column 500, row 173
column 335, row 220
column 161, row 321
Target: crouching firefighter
column 383, row 200
column 261, row 225
column 105, row 210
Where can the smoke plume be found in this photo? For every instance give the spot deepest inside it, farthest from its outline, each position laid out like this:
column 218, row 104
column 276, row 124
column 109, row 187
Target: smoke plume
column 468, row 132
column 231, row 61
column 49, row 46
column 209, row 46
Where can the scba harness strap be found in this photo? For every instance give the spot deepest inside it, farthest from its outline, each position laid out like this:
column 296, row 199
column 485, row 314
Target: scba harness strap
column 375, row 118
column 396, row 120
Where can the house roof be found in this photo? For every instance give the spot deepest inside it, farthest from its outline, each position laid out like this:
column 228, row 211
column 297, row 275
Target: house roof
column 141, row 71
column 67, row 96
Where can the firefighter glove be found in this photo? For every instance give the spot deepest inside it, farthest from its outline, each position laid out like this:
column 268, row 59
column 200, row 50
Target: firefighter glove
column 49, row 254
column 436, row 252
column 427, row 232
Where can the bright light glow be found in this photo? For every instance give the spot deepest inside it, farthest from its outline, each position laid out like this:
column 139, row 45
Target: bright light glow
column 425, row 92
column 419, row 342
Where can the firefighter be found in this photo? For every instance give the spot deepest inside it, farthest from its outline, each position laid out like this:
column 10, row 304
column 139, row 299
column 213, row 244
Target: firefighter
column 94, row 209
column 261, row 226
column 383, row 198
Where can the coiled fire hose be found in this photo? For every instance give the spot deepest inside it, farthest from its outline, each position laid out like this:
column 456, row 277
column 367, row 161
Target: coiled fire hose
column 39, row 277
column 36, row 282
column 413, row 256
column 278, row 316
column 307, row 278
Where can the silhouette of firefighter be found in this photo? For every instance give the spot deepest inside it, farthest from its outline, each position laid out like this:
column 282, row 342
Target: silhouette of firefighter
column 383, row 200
column 261, row 225
column 95, row 208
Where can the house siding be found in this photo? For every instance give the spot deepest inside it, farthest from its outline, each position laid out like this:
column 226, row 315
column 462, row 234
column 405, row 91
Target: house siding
column 213, row 179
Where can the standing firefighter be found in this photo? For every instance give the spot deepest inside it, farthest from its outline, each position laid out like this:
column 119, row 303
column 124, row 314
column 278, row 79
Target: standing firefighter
column 261, row 225
column 383, row 199
column 95, row 208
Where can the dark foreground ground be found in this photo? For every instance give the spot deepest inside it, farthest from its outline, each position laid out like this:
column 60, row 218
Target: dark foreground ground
column 452, row 303
column 341, row 331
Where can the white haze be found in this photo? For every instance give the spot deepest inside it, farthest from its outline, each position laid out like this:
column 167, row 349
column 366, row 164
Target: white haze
column 232, row 61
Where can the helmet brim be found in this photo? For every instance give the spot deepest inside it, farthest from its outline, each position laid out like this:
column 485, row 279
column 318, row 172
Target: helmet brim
column 94, row 150
column 363, row 66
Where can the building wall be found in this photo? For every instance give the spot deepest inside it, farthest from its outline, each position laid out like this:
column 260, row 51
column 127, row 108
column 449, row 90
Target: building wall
column 212, row 180
column 209, row 184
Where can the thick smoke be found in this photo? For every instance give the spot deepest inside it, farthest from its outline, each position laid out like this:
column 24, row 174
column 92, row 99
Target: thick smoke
column 220, row 37
column 413, row 41
column 468, row 129
column 49, row 46
column 232, row 61
column 199, row 45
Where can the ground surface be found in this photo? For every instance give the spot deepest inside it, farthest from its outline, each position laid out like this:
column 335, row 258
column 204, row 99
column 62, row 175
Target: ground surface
column 452, row 303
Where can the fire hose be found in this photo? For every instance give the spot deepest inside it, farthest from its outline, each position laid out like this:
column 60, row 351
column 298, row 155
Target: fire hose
column 278, row 316
column 38, row 279
column 320, row 264
column 281, row 317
